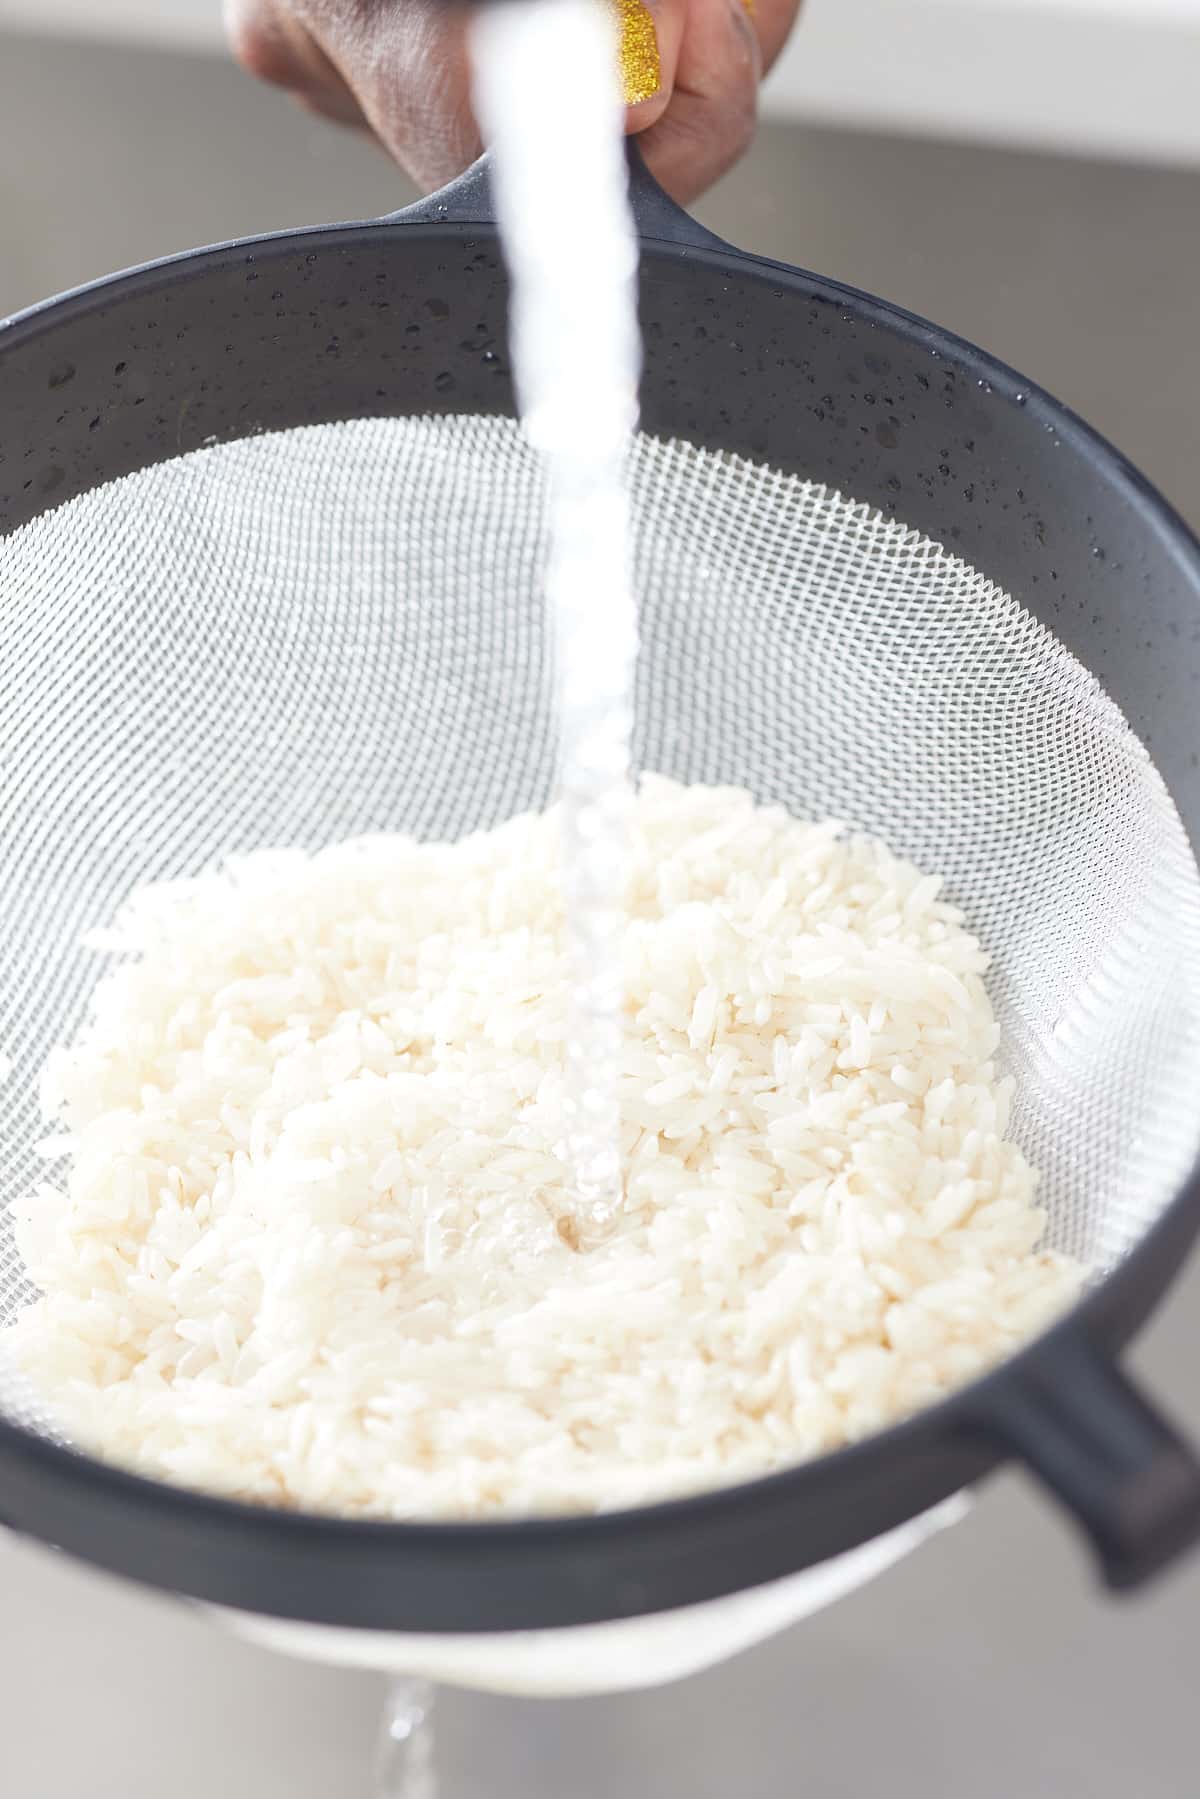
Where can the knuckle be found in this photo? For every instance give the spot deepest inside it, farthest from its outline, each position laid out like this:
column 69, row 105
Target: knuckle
column 258, row 44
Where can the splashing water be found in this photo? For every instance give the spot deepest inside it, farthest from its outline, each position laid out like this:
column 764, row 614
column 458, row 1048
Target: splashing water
column 548, row 96
column 404, row 1767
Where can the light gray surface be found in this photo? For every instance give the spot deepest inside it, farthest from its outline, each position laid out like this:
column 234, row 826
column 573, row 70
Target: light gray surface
column 987, row 1667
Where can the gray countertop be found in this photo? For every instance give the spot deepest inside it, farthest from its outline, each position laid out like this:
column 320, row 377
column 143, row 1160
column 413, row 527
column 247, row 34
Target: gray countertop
column 986, row 1667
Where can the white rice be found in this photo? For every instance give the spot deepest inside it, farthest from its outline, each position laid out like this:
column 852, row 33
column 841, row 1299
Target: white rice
column 314, row 1244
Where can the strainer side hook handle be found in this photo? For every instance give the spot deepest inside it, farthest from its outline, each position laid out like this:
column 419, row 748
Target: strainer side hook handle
column 467, row 200
column 1080, row 1423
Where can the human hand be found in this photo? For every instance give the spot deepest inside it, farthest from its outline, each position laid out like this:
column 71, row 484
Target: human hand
column 690, row 71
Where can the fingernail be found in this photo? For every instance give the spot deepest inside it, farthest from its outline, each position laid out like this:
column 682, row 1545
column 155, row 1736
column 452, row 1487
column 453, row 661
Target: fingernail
column 638, row 51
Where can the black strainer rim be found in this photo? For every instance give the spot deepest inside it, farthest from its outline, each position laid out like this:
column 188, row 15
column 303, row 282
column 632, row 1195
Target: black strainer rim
column 1059, row 1403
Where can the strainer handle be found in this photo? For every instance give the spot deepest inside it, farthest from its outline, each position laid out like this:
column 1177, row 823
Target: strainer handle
column 467, row 200
column 1106, row 1454
column 656, row 215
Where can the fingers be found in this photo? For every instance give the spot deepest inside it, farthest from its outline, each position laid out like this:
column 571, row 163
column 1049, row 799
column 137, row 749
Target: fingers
column 398, row 69
column 708, row 116
column 408, row 65
column 649, row 36
column 773, row 21
column 273, row 45
column 690, row 71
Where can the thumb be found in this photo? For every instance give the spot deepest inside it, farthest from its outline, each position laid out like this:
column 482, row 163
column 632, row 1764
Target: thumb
column 706, row 118
column 649, row 35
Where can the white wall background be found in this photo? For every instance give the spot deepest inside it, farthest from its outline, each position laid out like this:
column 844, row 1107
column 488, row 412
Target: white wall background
column 1114, row 78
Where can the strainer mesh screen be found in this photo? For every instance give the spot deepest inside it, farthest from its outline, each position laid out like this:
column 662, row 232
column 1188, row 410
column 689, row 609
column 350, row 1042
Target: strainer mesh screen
column 299, row 637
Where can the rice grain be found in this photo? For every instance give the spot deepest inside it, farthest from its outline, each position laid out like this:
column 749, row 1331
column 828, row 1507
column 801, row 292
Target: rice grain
column 313, row 1244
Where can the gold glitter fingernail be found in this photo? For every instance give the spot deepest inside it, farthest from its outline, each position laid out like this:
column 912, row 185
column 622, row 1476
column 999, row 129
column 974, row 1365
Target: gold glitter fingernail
column 638, row 52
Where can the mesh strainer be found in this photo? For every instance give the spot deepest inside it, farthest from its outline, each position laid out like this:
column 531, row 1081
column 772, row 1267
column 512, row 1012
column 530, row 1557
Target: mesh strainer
column 269, row 572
